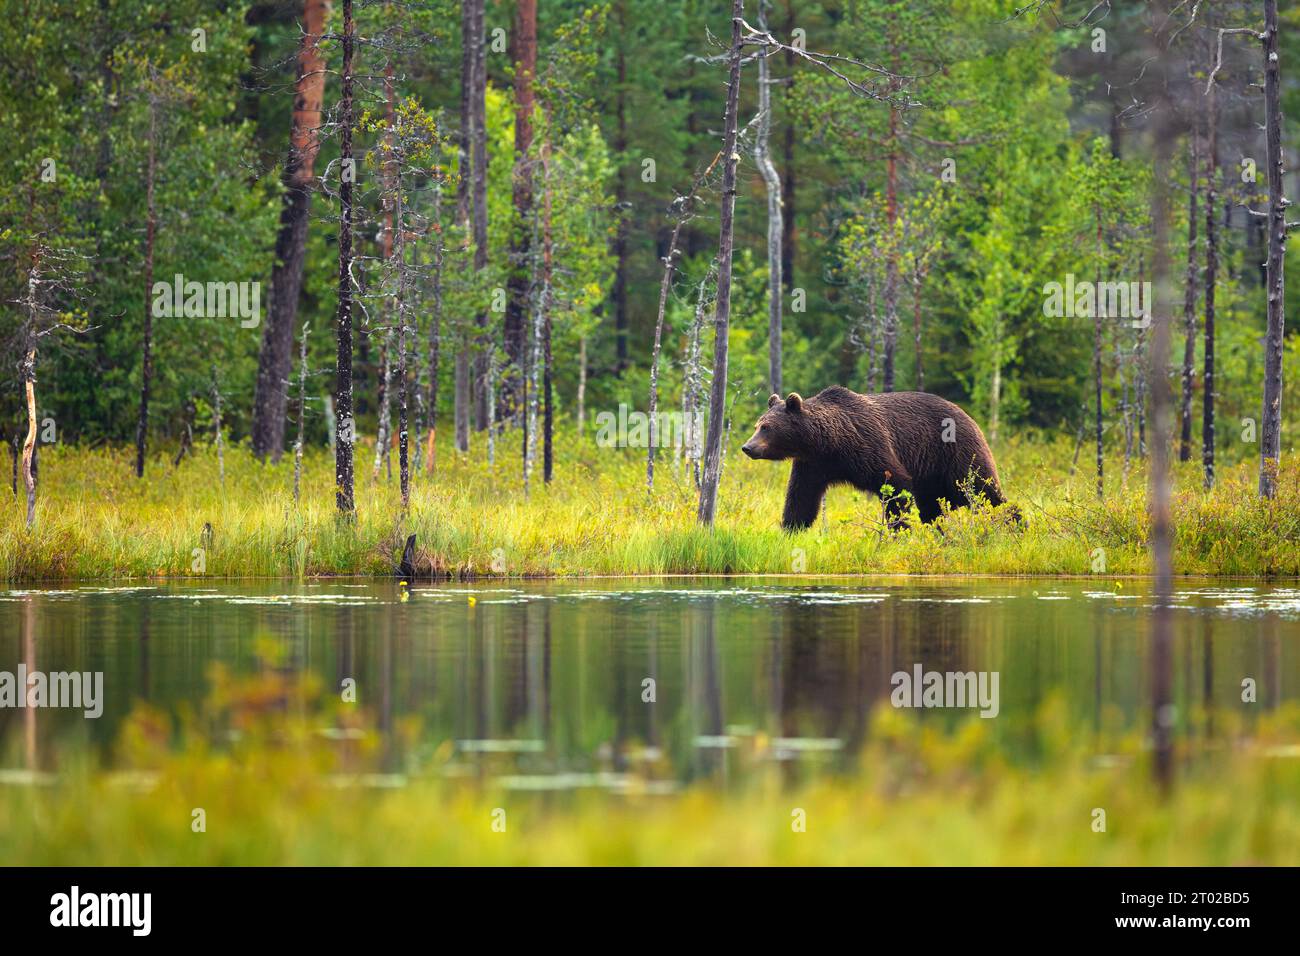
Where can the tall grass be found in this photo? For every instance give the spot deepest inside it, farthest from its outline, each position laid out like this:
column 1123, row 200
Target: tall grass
column 96, row 520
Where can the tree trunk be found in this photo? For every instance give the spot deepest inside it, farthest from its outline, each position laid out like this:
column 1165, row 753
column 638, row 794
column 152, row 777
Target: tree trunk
column 465, row 142
column 384, row 432
column 664, row 285
column 403, row 380
column 581, row 403
column 1189, row 301
column 1096, row 362
column 918, row 278
column 302, row 413
column 151, row 229
column 463, row 397
column 275, row 359
column 548, row 413
column 1211, row 275
column 620, row 193
column 1270, row 449
column 462, row 394
column 891, row 265
column 787, row 181
column 517, row 284
column 346, row 437
column 775, row 228
column 383, row 427
column 216, row 425
column 891, row 218
column 29, row 443
column 722, row 313
column 435, row 329
column 692, row 378
column 478, row 106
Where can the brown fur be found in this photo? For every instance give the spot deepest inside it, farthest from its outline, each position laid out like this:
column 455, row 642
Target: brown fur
column 894, row 438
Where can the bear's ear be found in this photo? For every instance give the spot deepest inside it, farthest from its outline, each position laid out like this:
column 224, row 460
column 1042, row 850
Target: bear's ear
column 794, row 402
column 773, row 399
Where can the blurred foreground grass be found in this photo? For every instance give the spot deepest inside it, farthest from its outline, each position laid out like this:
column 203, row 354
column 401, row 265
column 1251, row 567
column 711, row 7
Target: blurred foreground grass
column 285, row 776
column 96, row 520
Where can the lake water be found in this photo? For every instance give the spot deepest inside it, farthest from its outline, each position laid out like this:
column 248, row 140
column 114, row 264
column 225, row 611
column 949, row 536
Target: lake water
column 546, row 684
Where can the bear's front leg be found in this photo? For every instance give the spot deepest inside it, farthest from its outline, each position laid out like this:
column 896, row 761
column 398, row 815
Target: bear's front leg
column 803, row 496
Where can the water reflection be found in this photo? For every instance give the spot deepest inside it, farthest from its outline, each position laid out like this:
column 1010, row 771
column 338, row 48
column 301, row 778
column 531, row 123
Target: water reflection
column 575, row 684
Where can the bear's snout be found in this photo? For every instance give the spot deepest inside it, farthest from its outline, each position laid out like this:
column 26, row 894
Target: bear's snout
column 750, row 449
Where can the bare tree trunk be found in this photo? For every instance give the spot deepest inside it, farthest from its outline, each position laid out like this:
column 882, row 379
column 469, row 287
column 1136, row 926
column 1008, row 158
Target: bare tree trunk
column 1189, row 301
column 216, row 425
column 346, row 437
column 462, row 394
column 581, row 411
column 918, row 277
column 151, row 229
column 548, row 415
column 788, row 182
column 1140, row 390
column 891, row 217
column 462, row 398
column 531, row 390
column 620, row 191
column 693, row 378
column 1270, row 449
column 517, row 284
column 383, row 429
column 403, row 380
column 722, row 313
column 29, row 443
column 435, row 329
column 490, row 387
column 478, row 105
column 275, row 359
column 775, row 228
column 1211, row 274
column 1096, row 362
column 302, row 413
column 383, row 438
column 664, row 285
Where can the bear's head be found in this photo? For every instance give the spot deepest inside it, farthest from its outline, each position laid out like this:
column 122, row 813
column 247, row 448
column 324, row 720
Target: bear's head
column 782, row 431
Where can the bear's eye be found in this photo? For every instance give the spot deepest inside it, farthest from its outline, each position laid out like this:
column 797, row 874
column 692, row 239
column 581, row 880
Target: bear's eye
column 762, row 428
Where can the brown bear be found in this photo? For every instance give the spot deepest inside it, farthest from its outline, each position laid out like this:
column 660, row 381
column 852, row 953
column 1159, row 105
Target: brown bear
column 912, row 441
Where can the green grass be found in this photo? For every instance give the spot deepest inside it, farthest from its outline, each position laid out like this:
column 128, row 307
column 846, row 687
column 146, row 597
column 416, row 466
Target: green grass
column 95, row 520
column 278, row 787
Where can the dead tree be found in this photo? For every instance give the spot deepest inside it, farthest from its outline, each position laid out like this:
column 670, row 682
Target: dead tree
column 346, row 437
column 1211, row 277
column 685, row 206
column 216, row 425
column 151, row 229
column 1270, row 448
column 722, row 308
column 1189, row 301
column 775, row 227
column 302, row 412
